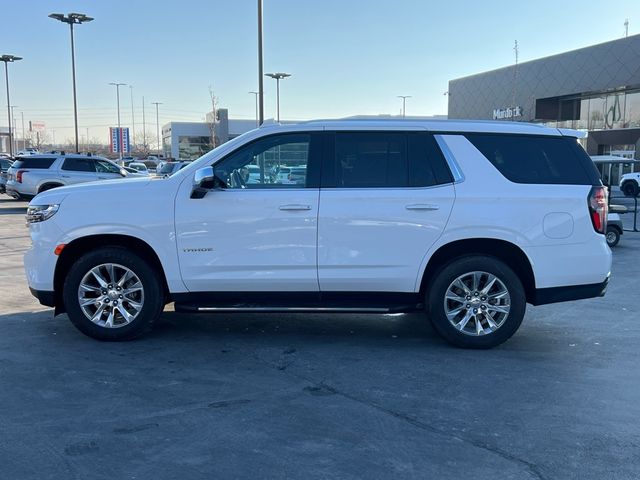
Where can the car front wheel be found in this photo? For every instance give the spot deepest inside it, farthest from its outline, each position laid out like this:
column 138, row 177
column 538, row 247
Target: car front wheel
column 630, row 189
column 112, row 294
column 476, row 302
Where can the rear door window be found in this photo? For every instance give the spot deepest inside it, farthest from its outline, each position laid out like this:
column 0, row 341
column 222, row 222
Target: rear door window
column 537, row 159
column 34, row 163
column 79, row 164
column 384, row 160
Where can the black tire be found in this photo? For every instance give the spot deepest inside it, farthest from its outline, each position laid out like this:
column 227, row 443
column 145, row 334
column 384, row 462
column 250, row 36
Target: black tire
column 613, row 236
column 630, row 189
column 435, row 298
column 48, row 186
column 153, row 294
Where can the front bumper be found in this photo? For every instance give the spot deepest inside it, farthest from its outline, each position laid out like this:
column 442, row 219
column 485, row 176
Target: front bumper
column 543, row 296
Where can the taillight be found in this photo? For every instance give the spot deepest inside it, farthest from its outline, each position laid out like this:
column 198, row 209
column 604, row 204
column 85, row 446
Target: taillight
column 598, row 208
column 19, row 174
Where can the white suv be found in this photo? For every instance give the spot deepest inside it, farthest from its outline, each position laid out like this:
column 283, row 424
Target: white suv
column 468, row 221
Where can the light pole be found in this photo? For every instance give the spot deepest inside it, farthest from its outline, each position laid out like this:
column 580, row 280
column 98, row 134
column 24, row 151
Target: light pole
column 120, row 145
column 133, row 120
column 157, row 123
column 257, row 119
column 260, row 67
column 15, row 129
column 404, row 103
column 8, row 59
column 144, row 129
column 278, row 76
column 72, row 19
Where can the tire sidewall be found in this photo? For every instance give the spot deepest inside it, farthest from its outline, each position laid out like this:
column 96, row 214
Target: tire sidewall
column 152, row 306
column 438, row 287
column 616, row 233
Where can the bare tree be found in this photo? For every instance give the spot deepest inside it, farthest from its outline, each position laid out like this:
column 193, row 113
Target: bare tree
column 142, row 148
column 37, row 139
column 212, row 119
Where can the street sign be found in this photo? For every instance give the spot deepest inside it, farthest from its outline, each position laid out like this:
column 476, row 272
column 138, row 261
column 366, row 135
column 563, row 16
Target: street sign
column 36, row 126
column 119, row 140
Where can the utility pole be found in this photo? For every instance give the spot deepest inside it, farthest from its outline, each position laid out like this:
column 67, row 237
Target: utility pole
column 8, row 59
column 626, row 27
column 120, row 136
column 24, row 138
column 404, row 103
column 157, row 124
column 73, row 19
column 257, row 119
column 144, row 129
column 133, row 120
column 260, row 67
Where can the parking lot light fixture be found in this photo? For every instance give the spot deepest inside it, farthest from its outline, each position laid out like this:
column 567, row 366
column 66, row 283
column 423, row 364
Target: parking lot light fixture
column 9, row 59
column 404, row 103
column 72, row 19
column 118, row 85
column 278, row 76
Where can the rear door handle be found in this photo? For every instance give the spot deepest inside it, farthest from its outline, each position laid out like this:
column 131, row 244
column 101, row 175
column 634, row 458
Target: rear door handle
column 65, row 176
column 294, row 206
column 422, row 206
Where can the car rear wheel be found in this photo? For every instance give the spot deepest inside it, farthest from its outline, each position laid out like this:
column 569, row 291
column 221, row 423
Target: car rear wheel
column 112, row 294
column 613, row 236
column 476, row 302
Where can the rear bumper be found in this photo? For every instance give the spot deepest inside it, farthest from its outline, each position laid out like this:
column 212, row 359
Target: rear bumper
column 543, row 296
column 45, row 297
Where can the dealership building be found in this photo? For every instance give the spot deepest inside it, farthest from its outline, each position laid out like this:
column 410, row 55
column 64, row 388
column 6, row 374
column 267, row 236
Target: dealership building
column 595, row 89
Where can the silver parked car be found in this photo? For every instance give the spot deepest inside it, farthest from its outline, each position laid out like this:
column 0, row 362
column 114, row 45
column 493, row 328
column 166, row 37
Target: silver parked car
column 33, row 174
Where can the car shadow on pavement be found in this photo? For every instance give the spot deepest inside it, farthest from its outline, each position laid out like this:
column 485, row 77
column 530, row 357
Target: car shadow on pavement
column 267, row 330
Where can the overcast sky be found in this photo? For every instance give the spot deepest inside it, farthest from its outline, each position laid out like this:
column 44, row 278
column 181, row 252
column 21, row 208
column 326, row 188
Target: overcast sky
column 347, row 57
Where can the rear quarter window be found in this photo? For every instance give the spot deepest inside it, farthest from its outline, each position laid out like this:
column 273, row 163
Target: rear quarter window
column 34, row 163
column 536, row 159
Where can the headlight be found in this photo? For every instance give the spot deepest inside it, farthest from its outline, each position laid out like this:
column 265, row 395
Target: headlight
column 40, row 213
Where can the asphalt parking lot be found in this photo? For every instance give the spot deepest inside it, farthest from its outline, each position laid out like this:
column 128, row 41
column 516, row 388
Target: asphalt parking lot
column 316, row 396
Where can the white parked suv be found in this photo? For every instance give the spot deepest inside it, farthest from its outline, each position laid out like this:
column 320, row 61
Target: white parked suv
column 468, row 221
column 36, row 173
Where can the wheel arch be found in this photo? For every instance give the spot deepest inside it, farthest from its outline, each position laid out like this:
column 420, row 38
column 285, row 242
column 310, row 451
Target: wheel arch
column 503, row 250
column 49, row 185
column 82, row 245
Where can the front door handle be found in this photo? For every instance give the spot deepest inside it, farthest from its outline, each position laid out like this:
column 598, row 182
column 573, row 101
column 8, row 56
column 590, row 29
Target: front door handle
column 294, row 206
column 65, row 176
column 422, row 206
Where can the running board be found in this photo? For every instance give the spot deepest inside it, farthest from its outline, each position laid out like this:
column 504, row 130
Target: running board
column 295, row 302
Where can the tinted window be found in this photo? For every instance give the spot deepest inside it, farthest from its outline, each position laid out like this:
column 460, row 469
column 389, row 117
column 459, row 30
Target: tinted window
column 38, row 162
column 541, row 160
column 4, row 164
column 79, row 164
column 103, row 166
column 382, row 159
column 268, row 163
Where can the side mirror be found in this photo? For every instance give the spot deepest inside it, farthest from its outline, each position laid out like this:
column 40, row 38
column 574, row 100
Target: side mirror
column 204, row 180
column 123, row 172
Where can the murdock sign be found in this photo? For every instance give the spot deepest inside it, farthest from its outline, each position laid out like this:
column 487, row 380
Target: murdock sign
column 507, row 113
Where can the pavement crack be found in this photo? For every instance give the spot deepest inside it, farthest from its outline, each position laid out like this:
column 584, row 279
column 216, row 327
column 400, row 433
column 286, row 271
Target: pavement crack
column 322, row 388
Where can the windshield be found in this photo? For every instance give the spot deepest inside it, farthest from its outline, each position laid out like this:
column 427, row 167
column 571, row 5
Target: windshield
column 167, row 169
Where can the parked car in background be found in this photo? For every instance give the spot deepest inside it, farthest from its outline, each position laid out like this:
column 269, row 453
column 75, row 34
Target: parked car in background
column 630, row 184
column 27, row 151
column 34, row 174
column 169, row 168
column 5, row 164
column 129, row 159
column 466, row 221
column 139, row 167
